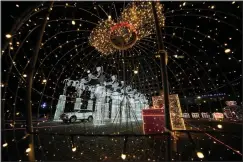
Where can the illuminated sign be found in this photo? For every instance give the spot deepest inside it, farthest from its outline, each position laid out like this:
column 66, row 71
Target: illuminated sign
column 186, row 115
column 213, row 95
column 205, row 115
column 218, row 116
column 195, row 115
column 231, row 103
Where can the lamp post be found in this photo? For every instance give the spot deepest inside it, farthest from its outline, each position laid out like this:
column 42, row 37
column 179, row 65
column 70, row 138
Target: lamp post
column 163, row 69
column 29, row 83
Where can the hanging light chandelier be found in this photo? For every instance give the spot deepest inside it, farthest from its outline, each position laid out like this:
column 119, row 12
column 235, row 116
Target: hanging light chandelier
column 135, row 23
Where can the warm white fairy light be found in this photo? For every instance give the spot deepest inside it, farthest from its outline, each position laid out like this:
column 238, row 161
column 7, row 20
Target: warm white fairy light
column 135, row 71
column 5, row 144
column 200, row 155
column 24, row 75
column 73, row 22
column 227, row 50
column 28, row 150
column 74, row 149
column 123, row 156
column 8, row 36
column 219, row 126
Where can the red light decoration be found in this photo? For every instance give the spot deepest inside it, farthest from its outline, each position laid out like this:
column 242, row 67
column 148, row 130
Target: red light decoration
column 153, row 121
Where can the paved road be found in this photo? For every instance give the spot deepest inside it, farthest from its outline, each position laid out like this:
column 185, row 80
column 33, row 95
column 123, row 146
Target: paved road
column 58, row 148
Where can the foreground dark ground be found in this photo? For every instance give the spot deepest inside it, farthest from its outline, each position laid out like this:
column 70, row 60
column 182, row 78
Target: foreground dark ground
column 216, row 147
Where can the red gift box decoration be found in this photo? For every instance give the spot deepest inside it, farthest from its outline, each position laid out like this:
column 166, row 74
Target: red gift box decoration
column 153, row 121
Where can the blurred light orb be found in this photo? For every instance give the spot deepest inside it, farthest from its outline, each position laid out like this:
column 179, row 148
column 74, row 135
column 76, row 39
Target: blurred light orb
column 5, row 144
column 74, row 149
column 227, row 50
column 28, row 150
column 200, row 155
column 123, row 156
column 219, row 126
column 8, row 36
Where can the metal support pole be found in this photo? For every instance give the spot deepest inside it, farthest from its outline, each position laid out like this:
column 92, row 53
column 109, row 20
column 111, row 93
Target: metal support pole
column 29, row 82
column 163, row 67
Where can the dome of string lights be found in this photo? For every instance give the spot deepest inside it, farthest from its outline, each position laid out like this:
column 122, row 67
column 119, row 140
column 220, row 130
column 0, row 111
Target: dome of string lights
column 136, row 22
column 109, row 48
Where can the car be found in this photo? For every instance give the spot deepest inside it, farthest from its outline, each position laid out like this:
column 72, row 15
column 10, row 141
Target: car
column 77, row 115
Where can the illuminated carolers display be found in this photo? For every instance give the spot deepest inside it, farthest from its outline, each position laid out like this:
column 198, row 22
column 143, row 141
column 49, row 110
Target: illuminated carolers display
column 126, row 103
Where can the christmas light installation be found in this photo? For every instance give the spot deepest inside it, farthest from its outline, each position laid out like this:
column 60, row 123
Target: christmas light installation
column 181, row 38
column 136, row 22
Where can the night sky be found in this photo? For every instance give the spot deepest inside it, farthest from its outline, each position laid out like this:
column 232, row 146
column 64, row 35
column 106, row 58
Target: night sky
column 196, row 36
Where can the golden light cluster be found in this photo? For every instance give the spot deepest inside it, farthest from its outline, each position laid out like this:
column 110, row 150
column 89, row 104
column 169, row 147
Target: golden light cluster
column 100, row 39
column 136, row 19
column 140, row 15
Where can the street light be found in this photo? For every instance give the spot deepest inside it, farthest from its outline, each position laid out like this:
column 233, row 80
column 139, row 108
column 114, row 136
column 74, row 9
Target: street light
column 164, row 75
